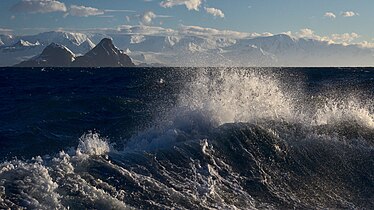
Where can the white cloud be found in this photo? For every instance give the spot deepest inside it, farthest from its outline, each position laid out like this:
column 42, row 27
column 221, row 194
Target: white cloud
column 344, row 38
column 330, row 15
column 119, row 10
column 209, row 32
column 183, row 30
column 349, row 14
column 147, row 17
column 83, row 11
column 307, row 33
column 145, row 30
column 39, row 6
column 5, row 31
column 366, row 44
column 215, row 12
column 186, row 31
column 190, row 4
column 106, row 16
column 136, row 39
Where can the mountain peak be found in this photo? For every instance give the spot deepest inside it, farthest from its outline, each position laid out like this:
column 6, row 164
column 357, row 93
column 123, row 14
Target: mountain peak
column 106, row 41
column 22, row 43
column 106, row 45
column 105, row 54
column 283, row 37
column 66, row 38
column 54, row 55
column 57, row 47
column 54, row 45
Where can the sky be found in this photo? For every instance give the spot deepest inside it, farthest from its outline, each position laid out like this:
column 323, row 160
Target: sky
column 346, row 21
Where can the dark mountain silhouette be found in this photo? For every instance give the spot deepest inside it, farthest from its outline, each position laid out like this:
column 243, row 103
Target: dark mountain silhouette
column 105, row 54
column 54, row 55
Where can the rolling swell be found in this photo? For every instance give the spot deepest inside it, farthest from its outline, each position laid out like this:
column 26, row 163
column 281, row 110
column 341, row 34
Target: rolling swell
column 234, row 139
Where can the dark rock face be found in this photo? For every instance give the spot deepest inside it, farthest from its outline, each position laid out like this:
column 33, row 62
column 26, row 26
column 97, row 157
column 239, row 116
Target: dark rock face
column 54, row 55
column 105, row 54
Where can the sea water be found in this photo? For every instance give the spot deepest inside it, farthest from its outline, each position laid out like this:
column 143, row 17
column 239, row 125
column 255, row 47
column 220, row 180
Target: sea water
column 187, row 138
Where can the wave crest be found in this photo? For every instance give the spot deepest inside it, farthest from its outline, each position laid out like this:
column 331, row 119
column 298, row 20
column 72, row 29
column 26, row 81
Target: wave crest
column 92, row 144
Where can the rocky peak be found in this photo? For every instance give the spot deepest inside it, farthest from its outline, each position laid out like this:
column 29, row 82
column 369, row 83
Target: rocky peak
column 54, row 55
column 105, row 54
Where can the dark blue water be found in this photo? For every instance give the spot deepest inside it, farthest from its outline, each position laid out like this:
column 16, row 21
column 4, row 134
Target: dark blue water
column 187, row 138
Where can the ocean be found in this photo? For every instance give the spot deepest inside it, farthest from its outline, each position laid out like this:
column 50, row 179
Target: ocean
column 187, row 138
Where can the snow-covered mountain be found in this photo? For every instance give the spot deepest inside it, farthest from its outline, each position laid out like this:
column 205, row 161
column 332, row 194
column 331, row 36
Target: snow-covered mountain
column 193, row 49
column 68, row 39
column 6, row 40
column 20, row 48
column 54, row 55
column 21, row 45
column 276, row 50
column 86, row 46
column 104, row 54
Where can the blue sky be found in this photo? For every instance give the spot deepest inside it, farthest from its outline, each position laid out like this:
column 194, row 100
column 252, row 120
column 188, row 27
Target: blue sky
column 324, row 17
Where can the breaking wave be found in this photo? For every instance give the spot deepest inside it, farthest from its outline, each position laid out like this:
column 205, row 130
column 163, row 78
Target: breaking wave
column 236, row 139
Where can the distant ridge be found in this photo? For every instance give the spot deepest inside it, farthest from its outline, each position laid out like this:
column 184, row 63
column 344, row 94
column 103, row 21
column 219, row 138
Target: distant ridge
column 87, row 45
column 179, row 48
column 105, row 54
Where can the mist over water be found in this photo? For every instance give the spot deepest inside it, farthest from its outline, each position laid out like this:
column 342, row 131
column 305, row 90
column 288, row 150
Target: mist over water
column 200, row 138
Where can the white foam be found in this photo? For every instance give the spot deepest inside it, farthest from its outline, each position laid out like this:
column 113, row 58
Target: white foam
column 92, row 144
column 41, row 183
column 32, row 182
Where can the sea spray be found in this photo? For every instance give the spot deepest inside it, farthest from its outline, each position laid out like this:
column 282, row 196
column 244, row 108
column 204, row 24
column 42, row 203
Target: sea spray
column 92, row 144
column 234, row 95
column 234, row 138
column 248, row 95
